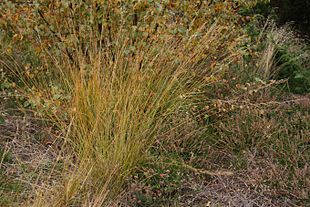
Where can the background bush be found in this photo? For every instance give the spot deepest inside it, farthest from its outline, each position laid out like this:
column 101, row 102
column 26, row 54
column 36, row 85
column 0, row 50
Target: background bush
column 294, row 10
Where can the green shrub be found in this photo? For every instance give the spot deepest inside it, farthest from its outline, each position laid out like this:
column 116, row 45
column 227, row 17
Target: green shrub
column 292, row 69
column 261, row 8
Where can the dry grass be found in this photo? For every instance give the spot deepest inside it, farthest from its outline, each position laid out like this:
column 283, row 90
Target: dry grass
column 120, row 108
column 129, row 90
column 30, row 160
column 256, row 131
column 115, row 93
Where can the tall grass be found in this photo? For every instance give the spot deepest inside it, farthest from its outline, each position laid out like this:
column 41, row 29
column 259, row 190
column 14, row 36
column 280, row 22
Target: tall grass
column 116, row 77
column 124, row 70
column 121, row 107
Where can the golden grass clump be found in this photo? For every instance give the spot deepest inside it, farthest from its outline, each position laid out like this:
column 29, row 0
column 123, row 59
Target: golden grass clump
column 120, row 107
column 125, row 70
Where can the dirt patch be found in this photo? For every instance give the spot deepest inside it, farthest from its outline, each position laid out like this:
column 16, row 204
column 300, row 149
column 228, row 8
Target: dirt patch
column 28, row 159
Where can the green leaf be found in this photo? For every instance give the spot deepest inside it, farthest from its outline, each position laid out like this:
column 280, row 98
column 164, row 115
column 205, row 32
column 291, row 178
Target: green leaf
column 2, row 120
column 299, row 76
column 26, row 104
column 259, row 80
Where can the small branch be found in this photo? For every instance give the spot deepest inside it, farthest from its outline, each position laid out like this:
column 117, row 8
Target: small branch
column 55, row 35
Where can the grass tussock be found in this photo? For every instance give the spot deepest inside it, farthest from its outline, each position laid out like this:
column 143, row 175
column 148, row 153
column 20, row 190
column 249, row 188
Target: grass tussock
column 120, row 108
column 153, row 98
column 114, row 92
